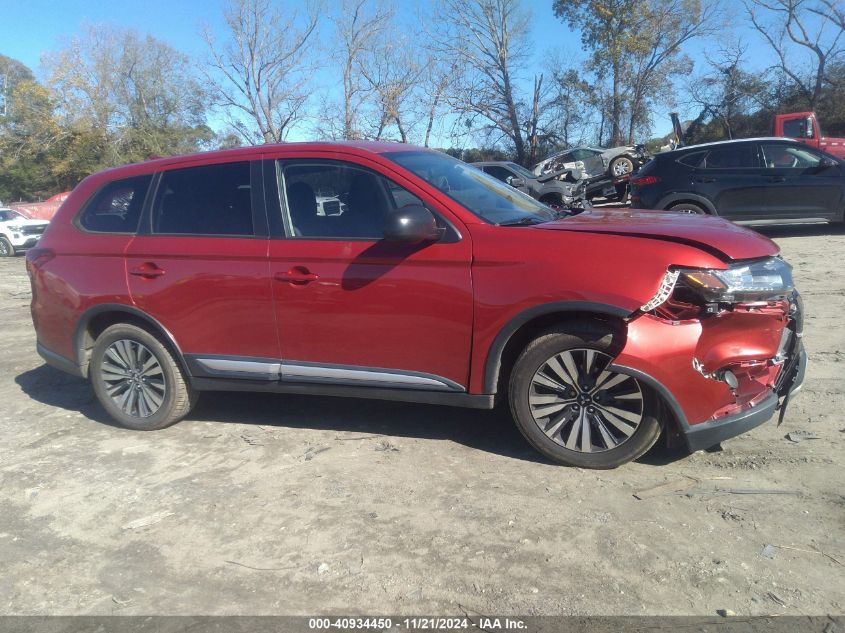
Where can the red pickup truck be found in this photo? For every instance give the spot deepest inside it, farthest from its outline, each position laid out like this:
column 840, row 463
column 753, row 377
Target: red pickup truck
column 804, row 126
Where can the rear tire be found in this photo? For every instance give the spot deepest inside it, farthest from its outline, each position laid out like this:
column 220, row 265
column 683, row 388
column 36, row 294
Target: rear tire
column 552, row 407
column 6, row 248
column 620, row 166
column 137, row 379
column 688, row 207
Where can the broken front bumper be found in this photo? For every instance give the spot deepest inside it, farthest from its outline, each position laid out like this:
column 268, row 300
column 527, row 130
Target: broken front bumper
column 692, row 363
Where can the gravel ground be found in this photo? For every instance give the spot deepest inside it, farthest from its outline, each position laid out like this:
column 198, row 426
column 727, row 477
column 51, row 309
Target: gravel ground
column 263, row 504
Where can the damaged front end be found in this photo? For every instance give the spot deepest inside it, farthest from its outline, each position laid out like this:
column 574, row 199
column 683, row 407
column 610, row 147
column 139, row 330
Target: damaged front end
column 723, row 347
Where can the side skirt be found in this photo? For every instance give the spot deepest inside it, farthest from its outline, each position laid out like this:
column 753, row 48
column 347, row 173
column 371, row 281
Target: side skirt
column 449, row 398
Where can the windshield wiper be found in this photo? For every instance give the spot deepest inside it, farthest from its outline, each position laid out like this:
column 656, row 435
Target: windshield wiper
column 521, row 221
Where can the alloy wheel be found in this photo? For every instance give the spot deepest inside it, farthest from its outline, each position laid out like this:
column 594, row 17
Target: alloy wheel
column 133, row 378
column 581, row 405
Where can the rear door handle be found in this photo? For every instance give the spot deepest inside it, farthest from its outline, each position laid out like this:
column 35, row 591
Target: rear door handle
column 777, row 178
column 298, row 275
column 705, row 180
column 147, row 270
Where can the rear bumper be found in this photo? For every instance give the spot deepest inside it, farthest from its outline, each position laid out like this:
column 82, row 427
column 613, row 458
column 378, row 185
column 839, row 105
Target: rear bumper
column 58, row 361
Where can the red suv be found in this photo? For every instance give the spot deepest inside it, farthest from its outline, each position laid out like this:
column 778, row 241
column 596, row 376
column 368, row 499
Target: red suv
column 378, row 270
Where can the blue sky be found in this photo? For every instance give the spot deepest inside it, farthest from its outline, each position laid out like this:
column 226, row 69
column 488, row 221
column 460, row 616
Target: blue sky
column 29, row 28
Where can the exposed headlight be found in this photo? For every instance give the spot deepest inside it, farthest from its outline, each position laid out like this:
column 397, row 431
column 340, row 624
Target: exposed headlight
column 13, row 227
column 760, row 280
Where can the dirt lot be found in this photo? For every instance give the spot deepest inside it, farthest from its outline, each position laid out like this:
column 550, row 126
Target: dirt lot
column 261, row 504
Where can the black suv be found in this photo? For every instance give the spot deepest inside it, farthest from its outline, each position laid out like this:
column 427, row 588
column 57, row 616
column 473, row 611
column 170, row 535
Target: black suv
column 750, row 179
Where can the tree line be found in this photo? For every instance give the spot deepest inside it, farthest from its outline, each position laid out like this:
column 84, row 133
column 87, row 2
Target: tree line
column 458, row 69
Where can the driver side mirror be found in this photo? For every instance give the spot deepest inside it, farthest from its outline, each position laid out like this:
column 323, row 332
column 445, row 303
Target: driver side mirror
column 516, row 182
column 827, row 163
column 411, row 224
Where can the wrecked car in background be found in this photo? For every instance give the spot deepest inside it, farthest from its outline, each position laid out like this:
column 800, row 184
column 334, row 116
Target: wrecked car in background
column 613, row 162
column 558, row 194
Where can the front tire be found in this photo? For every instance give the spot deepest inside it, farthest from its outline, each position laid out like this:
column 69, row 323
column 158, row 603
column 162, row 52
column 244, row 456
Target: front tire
column 574, row 410
column 137, row 379
column 6, row 248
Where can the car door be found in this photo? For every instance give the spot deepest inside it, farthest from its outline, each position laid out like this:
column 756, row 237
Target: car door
column 352, row 308
column 798, row 185
column 199, row 266
column 731, row 177
column 593, row 164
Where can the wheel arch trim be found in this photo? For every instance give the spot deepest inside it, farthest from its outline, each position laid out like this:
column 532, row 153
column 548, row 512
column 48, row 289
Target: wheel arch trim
column 674, row 198
column 82, row 352
column 493, row 362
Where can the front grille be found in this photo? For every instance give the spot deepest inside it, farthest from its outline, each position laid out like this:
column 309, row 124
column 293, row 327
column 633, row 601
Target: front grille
column 33, row 230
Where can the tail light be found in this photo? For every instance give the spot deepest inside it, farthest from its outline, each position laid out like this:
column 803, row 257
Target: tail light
column 645, row 180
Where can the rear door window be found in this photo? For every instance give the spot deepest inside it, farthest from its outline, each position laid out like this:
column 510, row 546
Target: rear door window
column 692, row 160
column 116, row 208
column 731, row 157
column 212, row 200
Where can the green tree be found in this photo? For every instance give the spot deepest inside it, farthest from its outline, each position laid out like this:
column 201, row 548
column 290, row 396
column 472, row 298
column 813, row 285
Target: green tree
column 636, row 48
column 139, row 92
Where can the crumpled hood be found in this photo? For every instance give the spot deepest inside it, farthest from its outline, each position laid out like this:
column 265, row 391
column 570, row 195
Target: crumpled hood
column 712, row 234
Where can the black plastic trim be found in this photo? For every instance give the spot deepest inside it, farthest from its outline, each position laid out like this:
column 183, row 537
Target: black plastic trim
column 85, row 319
column 58, row 361
column 449, row 398
column 672, row 198
column 707, row 434
column 493, row 365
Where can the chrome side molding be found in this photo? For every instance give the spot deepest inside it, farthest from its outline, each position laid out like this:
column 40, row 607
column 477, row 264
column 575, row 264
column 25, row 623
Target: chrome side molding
column 297, row 372
column 303, row 372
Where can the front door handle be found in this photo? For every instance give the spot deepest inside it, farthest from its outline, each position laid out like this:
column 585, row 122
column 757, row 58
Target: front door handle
column 777, row 179
column 147, row 270
column 298, row 275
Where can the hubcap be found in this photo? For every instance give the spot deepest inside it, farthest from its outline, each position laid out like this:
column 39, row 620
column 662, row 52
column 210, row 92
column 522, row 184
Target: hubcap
column 622, row 167
column 133, row 378
column 581, row 405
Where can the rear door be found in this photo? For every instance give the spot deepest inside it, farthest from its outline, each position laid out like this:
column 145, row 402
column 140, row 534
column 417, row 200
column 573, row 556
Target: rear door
column 199, row 266
column 798, row 187
column 731, row 177
column 353, row 309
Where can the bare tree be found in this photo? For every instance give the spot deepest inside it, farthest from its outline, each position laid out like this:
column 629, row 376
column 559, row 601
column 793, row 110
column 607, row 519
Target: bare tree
column 357, row 26
column 392, row 74
column 726, row 92
column 262, row 69
column 489, row 39
column 816, row 26
column 439, row 75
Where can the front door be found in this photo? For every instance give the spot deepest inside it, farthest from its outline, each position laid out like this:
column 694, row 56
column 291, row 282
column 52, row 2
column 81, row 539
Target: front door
column 199, row 267
column 351, row 308
column 799, row 187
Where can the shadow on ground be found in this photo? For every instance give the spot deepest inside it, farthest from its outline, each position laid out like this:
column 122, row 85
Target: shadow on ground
column 489, row 431
column 799, row 230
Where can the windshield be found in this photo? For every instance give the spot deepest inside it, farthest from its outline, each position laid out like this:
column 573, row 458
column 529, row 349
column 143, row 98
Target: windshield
column 488, row 198
column 8, row 214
